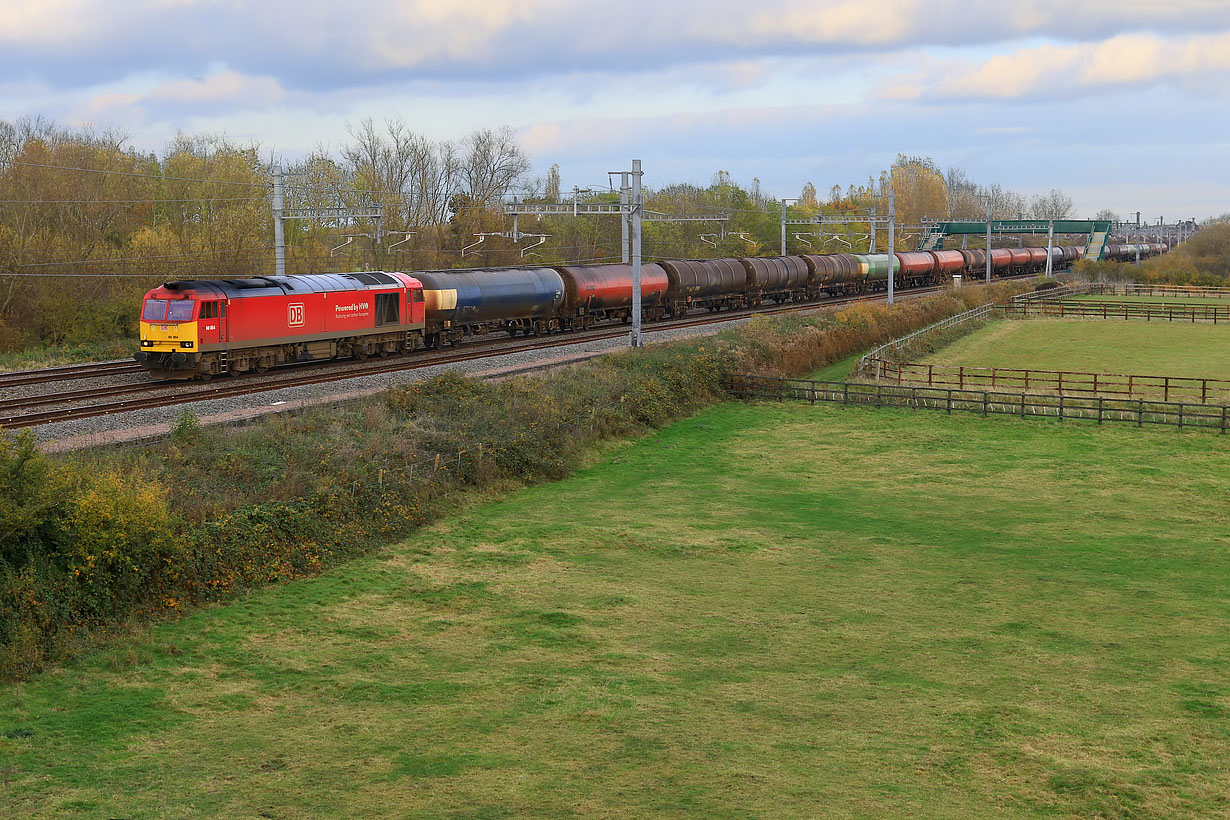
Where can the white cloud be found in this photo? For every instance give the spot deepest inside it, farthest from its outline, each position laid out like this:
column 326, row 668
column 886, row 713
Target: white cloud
column 1049, row 69
column 222, row 86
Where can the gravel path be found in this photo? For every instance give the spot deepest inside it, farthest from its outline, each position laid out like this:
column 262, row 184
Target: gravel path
column 152, row 423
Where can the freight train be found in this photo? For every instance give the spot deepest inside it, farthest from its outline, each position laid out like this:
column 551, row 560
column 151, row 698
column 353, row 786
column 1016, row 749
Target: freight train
column 199, row 329
column 1127, row 253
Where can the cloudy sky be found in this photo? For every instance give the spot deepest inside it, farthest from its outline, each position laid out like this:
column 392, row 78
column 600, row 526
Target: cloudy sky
column 1122, row 103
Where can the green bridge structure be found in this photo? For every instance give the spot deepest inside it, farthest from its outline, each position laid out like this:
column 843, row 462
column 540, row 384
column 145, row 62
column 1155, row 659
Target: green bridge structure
column 1095, row 231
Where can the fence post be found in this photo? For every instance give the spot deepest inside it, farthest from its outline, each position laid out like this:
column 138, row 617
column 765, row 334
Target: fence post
column 930, row 370
column 845, row 392
column 1140, row 414
column 1061, row 405
column 1166, row 388
column 961, row 377
column 949, row 403
column 984, row 404
column 1180, row 415
column 1223, row 419
column 1022, row 405
column 1130, row 380
column 1095, row 382
column 1099, row 409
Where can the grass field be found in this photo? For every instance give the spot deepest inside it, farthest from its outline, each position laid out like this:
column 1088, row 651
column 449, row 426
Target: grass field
column 1095, row 345
column 760, row 612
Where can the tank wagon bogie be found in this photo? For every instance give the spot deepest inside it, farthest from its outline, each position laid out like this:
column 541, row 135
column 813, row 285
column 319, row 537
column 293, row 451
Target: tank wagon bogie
column 199, row 329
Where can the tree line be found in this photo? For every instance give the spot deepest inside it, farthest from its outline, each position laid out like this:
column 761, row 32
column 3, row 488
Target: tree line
column 89, row 222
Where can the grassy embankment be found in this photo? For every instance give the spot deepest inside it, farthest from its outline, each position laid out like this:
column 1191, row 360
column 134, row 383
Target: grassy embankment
column 1095, row 345
column 774, row 611
column 56, row 355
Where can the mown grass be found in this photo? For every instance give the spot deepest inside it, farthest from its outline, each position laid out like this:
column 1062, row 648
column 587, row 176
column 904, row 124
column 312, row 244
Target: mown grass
column 1096, row 346
column 774, row 611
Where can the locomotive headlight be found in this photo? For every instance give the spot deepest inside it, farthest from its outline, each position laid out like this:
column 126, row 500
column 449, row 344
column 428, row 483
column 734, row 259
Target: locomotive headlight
column 185, row 344
column 146, row 343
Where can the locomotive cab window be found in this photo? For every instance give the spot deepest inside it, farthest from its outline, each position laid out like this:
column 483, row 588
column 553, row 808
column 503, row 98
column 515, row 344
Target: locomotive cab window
column 388, row 310
column 155, row 310
column 179, row 310
column 209, row 310
column 417, row 295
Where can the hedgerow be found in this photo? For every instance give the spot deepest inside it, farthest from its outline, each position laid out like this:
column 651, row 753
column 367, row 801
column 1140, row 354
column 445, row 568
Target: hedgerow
column 95, row 540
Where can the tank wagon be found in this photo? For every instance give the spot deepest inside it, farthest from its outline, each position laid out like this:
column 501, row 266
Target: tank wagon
column 1127, row 253
column 459, row 302
column 207, row 327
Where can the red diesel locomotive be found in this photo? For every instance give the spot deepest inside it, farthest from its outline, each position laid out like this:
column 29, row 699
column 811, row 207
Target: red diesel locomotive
column 199, row 329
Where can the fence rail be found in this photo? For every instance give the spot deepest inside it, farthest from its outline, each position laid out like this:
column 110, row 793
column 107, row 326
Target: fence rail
column 1099, row 408
column 980, row 312
column 1132, row 289
column 1149, row 311
column 1046, row 294
column 1060, row 381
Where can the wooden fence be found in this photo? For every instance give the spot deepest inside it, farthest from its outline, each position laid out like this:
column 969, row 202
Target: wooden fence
column 1059, row 381
column 987, row 402
column 1149, row 311
column 1131, row 289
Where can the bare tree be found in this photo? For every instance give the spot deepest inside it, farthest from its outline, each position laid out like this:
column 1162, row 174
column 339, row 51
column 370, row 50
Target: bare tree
column 1055, row 205
column 552, row 185
column 493, row 162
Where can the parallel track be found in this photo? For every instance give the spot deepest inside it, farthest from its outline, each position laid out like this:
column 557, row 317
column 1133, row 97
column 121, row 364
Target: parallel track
column 68, row 372
column 196, row 391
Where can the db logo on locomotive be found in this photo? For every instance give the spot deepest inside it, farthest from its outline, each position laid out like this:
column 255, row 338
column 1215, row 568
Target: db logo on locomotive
column 294, row 314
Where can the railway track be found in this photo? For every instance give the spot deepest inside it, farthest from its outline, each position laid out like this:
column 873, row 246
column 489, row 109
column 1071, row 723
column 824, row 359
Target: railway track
column 14, row 413
column 68, row 372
